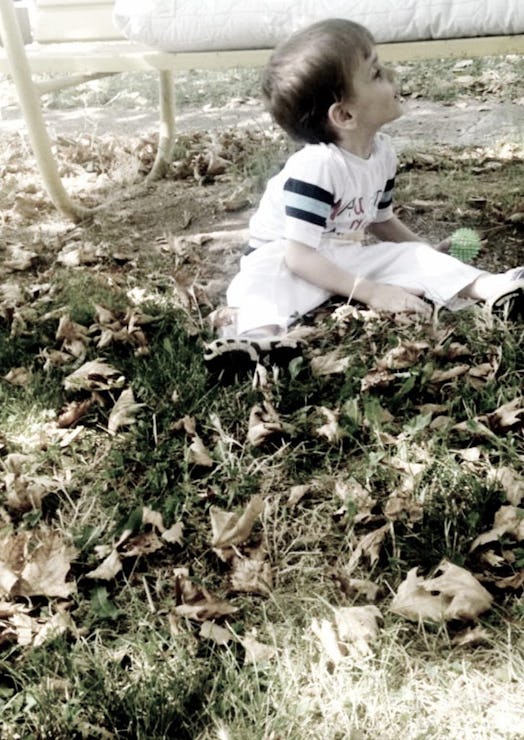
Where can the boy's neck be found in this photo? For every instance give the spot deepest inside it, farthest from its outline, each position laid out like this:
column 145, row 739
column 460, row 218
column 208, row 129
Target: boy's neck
column 358, row 143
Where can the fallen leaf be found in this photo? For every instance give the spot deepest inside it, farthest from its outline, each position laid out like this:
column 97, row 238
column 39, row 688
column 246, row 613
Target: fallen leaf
column 358, row 626
column 402, row 356
column 264, row 423
column 123, row 412
column 251, row 573
column 198, row 454
column 154, row 518
column 95, row 375
column 455, row 594
column 19, row 376
column 73, row 412
column 256, row 652
column 330, row 363
column 331, row 430
column 443, row 376
column 36, row 563
column 108, row 568
column 216, row 633
column 508, row 520
column 376, row 379
column 174, row 534
column 196, row 602
column 230, row 529
column 510, row 481
column 471, row 637
column 368, row 546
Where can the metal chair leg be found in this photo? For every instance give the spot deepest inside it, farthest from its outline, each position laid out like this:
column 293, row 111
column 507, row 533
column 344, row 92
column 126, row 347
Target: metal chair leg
column 166, row 141
column 31, row 108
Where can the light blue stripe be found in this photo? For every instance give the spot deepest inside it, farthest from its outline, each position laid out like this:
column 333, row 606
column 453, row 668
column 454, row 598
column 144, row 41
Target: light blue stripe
column 304, row 203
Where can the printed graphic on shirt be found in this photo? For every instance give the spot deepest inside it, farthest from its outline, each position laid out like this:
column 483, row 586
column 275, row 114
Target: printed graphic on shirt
column 314, row 205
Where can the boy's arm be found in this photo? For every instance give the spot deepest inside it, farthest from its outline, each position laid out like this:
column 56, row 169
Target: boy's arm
column 393, row 230
column 311, row 265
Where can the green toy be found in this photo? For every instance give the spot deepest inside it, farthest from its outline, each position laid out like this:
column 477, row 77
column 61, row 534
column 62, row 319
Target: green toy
column 465, row 244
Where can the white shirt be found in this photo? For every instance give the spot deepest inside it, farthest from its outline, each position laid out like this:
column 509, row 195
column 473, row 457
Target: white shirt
column 323, row 191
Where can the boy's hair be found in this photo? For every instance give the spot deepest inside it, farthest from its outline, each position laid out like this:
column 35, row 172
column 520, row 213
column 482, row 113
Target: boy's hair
column 312, row 70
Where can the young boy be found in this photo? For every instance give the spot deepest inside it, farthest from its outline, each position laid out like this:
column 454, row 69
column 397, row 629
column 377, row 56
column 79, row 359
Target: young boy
column 328, row 90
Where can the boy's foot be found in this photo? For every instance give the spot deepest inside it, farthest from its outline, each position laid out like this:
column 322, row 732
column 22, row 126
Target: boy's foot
column 508, row 302
column 232, row 357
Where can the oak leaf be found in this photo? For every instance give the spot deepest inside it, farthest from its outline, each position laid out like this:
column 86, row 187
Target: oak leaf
column 454, row 594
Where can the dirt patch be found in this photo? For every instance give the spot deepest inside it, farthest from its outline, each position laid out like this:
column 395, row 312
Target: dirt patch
column 144, row 226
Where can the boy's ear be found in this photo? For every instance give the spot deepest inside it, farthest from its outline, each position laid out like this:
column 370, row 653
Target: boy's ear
column 340, row 116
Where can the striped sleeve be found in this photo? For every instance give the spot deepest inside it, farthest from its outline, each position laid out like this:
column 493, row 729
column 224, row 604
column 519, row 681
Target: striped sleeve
column 307, row 209
column 387, row 196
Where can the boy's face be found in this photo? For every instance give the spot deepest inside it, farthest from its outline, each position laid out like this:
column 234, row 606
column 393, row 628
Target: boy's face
column 376, row 99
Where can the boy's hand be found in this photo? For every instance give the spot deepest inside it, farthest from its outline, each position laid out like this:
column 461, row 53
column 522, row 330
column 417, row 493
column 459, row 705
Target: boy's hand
column 397, row 300
column 443, row 246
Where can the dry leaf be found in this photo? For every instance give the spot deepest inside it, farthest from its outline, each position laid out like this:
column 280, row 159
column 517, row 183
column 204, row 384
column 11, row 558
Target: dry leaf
column 331, row 429
column 368, row 546
column 36, row 563
column 96, row 375
column 358, row 626
column 174, row 534
column 256, row 652
column 510, row 481
column 154, row 518
column 358, row 587
column 18, row 376
column 402, row 356
column 330, row 364
column 508, row 415
column 329, row 642
column 443, row 376
column 355, row 497
column 508, row 520
column 141, row 544
column 376, row 379
column 123, row 412
column 108, row 568
column 198, row 454
column 230, row 529
column 21, row 259
column 264, row 422
column 196, row 602
column 455, row 594
column 73, row 412
column 251, row 574
column 215, row 632
column 471, row 637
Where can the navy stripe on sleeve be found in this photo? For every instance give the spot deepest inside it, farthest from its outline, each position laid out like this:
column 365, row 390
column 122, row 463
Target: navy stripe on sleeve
column 309, row 190
column 387, row 195
column 308, row 216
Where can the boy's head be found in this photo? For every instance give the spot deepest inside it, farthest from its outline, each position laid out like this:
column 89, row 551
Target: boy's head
column 312, row 70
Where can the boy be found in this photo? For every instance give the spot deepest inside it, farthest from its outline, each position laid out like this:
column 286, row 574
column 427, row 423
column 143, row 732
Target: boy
column 327, row 89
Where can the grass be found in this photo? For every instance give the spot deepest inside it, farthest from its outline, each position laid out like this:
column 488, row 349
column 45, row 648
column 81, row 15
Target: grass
column 123, row 662
column 122, row 671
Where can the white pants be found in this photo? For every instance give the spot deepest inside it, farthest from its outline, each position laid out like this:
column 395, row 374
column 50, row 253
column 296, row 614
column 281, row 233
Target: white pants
column 266, row 292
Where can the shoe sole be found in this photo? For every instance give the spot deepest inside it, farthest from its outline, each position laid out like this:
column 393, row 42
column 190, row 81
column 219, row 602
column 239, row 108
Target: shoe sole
column 509, row 306
column 231, row 357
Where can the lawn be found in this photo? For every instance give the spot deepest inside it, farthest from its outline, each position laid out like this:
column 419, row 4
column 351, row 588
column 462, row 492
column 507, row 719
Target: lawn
column 327, row 548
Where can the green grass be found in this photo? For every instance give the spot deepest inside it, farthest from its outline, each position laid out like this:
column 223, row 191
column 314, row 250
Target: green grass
column 122, row 671
column 126, row 667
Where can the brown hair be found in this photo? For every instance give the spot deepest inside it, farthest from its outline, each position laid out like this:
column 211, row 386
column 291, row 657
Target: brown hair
column 309, row 72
